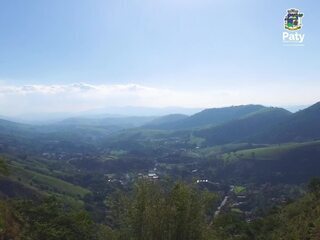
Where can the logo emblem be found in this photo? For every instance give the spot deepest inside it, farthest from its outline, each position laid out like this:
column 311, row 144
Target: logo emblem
column 293, row 20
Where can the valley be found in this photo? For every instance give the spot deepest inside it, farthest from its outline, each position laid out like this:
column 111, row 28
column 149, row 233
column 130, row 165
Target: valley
column 229, row 155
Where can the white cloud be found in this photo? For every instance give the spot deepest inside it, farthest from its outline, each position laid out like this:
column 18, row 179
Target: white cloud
column 77, row 97
column 82, row 96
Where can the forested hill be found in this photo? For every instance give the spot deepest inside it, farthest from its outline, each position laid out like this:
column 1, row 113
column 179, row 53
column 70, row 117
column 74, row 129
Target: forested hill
column 244, row 128
column 301, row 126
column 211, row 117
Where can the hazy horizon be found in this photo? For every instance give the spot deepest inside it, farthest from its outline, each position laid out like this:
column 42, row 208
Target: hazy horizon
column 118, row 112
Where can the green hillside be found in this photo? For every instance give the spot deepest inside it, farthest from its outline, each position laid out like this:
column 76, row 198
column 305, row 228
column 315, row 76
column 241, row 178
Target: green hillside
column 242, row 129
column 290, row 163
column 273, row 152
column 212, row 117
column 46, row 183
column 34, row 179
column 160, row 122
column 298, row 220
column 301, row 126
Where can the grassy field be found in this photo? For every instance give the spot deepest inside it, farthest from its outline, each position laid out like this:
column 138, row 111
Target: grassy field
column 273, row 152
column 232, row 147
column 45, row 182
column 239, row 189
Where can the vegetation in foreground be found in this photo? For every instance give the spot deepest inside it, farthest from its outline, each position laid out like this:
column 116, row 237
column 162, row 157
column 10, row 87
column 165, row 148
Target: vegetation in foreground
column 155, row 212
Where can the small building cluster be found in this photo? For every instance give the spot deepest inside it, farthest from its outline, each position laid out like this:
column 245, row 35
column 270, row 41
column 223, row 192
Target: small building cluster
column 202, row 181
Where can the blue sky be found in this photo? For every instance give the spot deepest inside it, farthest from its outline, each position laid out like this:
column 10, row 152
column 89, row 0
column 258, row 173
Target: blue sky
column 198, row 53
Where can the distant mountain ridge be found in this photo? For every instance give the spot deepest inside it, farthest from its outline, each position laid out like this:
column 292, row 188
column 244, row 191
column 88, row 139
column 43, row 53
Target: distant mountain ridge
column 300, row 126
column 124, row 122
column 250, row 123
column 167, row 119
column 245, row 123
column 212, row 117
column 241, row 129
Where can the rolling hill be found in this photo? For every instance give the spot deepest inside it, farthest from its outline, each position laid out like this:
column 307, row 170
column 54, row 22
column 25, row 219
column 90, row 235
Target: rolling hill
column 165, row 120
column 301, row 126
column 241, row 129
column 117, row 122
column 33, row 179
column 211, row 117
column 292, row 163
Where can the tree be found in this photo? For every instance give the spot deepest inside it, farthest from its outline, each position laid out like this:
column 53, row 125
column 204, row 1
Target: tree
column 156, row 212
column 52, row 220
column 3, row 166
column 314, row 186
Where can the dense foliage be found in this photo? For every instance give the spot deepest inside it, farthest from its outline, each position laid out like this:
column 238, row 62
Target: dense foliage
column 46, row 220
column 154, row 212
